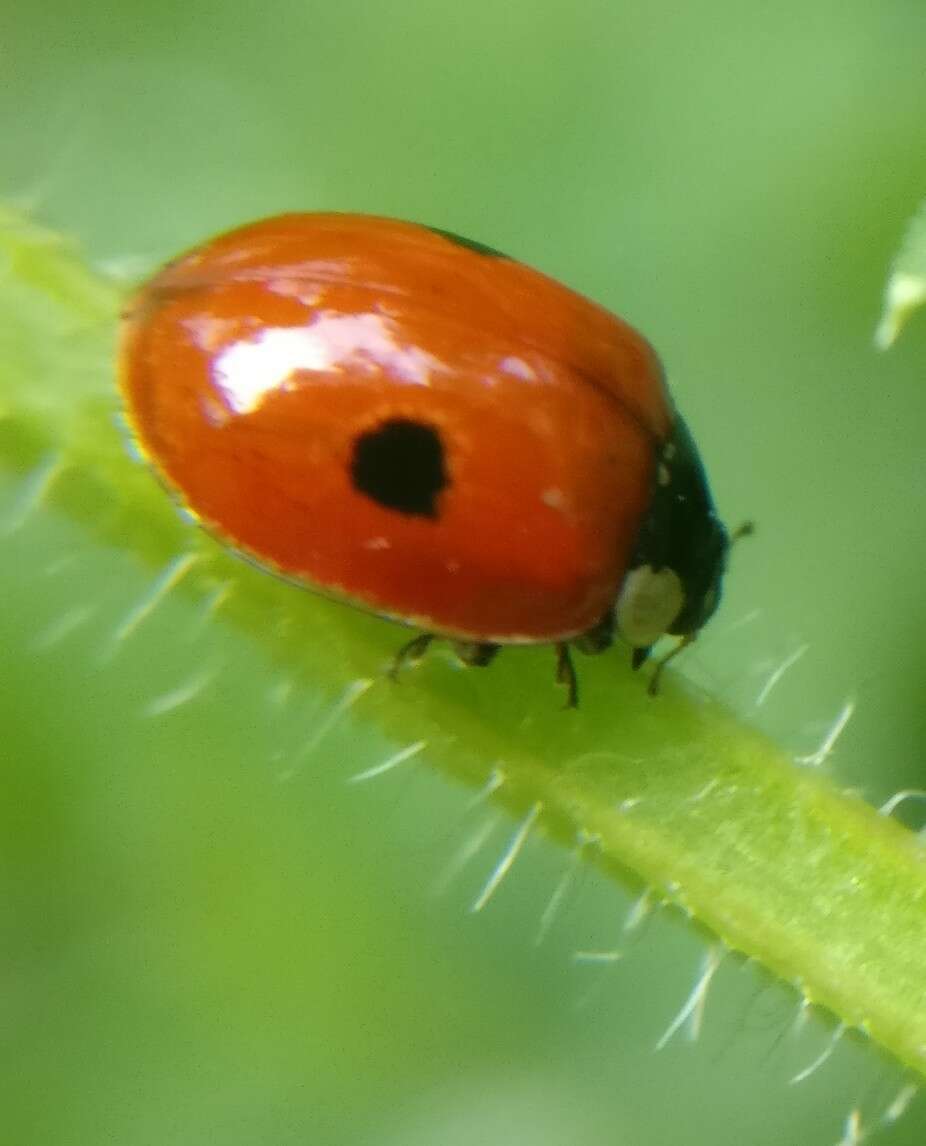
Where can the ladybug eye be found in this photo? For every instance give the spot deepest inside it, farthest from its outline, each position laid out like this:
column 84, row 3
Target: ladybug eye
column 400, row 465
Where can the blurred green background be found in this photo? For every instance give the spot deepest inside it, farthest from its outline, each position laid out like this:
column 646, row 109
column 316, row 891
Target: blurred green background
column 196, row 951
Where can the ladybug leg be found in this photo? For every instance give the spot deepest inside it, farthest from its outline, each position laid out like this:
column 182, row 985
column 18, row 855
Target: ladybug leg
column 410, row 653
column 598, row 638
column 639, row 657
column 663, row 661
column 566, row 675
column 475, row 653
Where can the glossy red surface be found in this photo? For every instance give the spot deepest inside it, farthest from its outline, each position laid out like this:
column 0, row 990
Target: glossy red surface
column 251, row 366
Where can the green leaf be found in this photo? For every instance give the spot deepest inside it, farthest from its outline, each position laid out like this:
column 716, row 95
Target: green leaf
column 905, row 291
column 671, row 793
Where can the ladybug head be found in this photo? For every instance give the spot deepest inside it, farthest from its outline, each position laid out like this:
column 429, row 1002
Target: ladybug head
column 673, row 583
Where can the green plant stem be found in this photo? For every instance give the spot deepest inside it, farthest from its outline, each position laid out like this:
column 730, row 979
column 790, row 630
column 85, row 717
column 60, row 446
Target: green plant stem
column 780, row 865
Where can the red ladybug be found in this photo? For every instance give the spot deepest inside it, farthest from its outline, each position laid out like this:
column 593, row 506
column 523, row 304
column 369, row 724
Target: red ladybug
column 414, row 423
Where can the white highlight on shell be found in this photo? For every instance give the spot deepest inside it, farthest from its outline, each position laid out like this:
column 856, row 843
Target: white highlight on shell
column 517, row 368
column 553, row 498
column 245, row 372
column 505, row 864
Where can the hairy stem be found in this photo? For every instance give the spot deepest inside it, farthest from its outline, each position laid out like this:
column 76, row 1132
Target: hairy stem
column 673, row 793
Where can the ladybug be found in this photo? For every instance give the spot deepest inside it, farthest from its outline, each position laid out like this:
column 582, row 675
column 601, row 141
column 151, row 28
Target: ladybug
column 419, row 425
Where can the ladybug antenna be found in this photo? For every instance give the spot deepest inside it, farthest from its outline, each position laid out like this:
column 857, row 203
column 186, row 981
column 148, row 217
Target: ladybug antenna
column 744, row 529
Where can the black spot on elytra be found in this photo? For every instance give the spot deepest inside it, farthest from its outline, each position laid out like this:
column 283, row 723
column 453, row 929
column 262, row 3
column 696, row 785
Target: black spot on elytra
column 400, row 465
column 469, row 244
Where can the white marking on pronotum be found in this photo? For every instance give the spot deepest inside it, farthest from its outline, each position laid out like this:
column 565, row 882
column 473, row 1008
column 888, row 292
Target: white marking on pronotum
column 898, row 1107
column 854, row 1133
column 505, row 864
column 815, row 759
column 59, row 630
column 168, row 580
column 388, row 764
column 466, row 852
column 639, row 910
column 889, row 807
column 563, row 885
column 33, row 491
column 354, row 691
column 822, row 1057
column 598, row 957
column 693, row 1007
column 788, row 663
column 180, row 695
